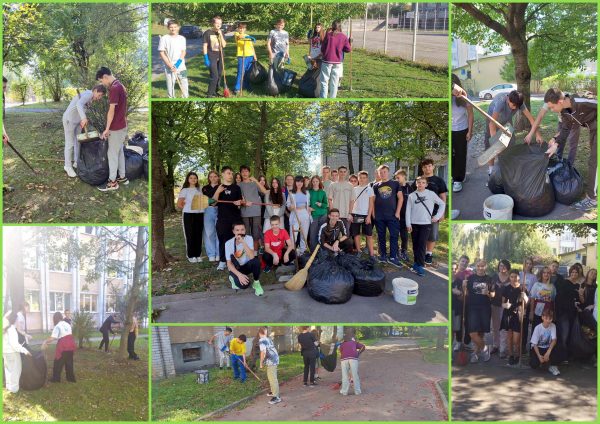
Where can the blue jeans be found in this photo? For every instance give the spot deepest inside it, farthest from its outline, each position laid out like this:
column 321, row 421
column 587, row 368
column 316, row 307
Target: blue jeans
column 393, row 226
column 211, row 242
column 239, row 371
column 247, row 64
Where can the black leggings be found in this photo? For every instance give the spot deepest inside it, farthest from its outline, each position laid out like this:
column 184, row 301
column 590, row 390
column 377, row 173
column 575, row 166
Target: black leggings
column 193, row 225
column 66, row 361
column 268, row 258
column 105, row 341
column 216, row 70
column 459, row 155
column 420, row 234
column 250, row 267
column 224, row 233
column 310, row 363
column 131, row 345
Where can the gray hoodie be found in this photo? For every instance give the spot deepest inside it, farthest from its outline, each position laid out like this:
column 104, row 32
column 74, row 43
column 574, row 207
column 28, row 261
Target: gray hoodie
column 417, row 213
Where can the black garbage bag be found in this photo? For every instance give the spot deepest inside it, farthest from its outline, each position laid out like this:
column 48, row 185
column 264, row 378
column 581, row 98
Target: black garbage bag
column 329, row 362
column 369, row 279
column 567, row 182
column 303, row 259
column 134, row 164
column 145, row 159
column 92, row 163
column 257, row 74
column 330, row 283
column 287, row 79
column 309, row 83
column 139, row 140
column 33, row 376
column 495, row 182
column 273, row 84
column 524, row 176
column 581, row 345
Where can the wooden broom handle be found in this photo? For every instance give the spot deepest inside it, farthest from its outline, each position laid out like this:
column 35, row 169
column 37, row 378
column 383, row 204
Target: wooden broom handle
column 498, row 124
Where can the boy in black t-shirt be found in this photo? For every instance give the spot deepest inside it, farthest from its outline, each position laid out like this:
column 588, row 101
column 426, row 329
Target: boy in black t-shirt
column 513, row 299
column 388, row 203
column 405, row 189
column 479, row 309
column 212, row 43
column 228, row 213
column 438, row 186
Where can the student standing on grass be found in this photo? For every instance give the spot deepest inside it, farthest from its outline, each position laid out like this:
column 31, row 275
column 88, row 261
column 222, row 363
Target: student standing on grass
column 334, row 45
column 269, row 357
column 65, row 348
column 237, row 348
column 340, row 195
column 421, row 214
column 251, row 211
column 279, row 249
column 542, row 297
column 192, row 220
column 567, row 295
column 438, row 186
column 576, row 111
column 361, row 208
column 544, row 350
column 350, row 350
column 74, row 120
column 479, row 290
column 21, row 324
column 172, row 50
column 131, row 336
column 319, row 206
column 115, row 130
column 500, row 280
column 223, row 340
column 278, row 44
column 462, row 130
column 308, row 344
column 461, row 274
column 11, row 353
column 212, row 43
column 241, row 260
column 105, row 329
column 245, row 56
column 315, row 39
column 333, row 236
column 528, row 279
column 299, row 205
column 228, row 213
column 513, row 300
column 405, row 190
column 276, row 206
column 388, row 204
column 211, row 241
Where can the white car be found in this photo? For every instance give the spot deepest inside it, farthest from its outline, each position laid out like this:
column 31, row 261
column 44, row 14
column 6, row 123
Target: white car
column 490, row 93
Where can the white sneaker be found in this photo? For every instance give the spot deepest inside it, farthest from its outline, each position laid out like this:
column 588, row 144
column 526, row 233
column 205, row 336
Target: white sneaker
column 217, row 259
column 553, row 370
column 221, row 266
column 211, row 259
column 192, row 260
column 486, row 354
column 75, row 164
column 456, row 346
column 474, row 358
column 70, row 171
column 455, row 213
column 198, row 259
column 456, row 186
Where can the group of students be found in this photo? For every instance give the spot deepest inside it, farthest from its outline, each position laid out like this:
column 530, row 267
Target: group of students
column 326, row 53
column 507, row 303
column 574, row 112
column 242, row 219
column 232, row 353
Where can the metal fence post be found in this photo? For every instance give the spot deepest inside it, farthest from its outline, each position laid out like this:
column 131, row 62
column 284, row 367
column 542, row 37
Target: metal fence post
column 387, row 24
column 365, row 27
column 416, row 24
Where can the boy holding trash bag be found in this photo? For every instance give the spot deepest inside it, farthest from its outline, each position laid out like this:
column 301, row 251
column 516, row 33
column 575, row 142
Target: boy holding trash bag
column 172, row 50
column 223, row 340
column 245, row 57
column 212, row 43
column 278, row 44
column 74, row 120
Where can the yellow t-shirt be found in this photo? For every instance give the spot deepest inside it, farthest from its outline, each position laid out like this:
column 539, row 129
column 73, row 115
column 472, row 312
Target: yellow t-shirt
column 237, row 347
column 240, row 41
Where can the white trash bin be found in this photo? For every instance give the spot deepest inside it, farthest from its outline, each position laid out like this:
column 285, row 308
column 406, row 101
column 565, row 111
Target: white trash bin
column 498, row 207
column 405, row 291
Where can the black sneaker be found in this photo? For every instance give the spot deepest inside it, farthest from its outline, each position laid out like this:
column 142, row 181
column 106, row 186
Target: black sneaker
column 109, row 186
column 123, row 180
column 274, row 400
column 267, row 269
column 428, row 258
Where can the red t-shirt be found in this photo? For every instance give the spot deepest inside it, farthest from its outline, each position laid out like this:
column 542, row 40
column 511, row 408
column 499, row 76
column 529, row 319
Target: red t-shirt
column 277, row 242
column 118, row 96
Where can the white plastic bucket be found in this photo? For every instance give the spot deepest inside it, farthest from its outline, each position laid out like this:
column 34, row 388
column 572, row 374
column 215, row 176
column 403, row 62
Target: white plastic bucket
column 498, row 207
column 405, row 291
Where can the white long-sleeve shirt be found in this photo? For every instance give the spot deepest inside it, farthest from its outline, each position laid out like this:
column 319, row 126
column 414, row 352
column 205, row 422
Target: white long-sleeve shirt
column 416, row 212
column 10, row 342
column 76, row 110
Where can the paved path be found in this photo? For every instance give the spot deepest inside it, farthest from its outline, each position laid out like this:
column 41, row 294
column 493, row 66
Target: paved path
column 397, row 385
column 281, row 305
column 488, row 392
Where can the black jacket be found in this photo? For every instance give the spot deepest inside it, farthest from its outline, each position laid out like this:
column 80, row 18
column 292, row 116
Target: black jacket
column 583, row 112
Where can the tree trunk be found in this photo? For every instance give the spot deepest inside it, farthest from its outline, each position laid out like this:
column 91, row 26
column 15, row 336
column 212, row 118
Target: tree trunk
column 260, row 140
column 160, row 256
column 349, row 143
column 14, row 268
column 169, row 183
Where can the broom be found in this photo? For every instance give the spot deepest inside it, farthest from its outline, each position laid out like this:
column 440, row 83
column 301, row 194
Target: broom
column 226, row 92
column 463, row 356
column 299, row 279
column 247, row 367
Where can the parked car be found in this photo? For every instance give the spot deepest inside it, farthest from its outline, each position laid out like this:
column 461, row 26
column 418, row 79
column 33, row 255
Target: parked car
column 191, row 31
column 490, row 93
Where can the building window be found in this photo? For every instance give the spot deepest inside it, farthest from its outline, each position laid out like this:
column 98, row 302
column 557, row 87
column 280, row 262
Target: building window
column 116, row 268
column 59, row 302
column 191, row 354
column 59, row 262
column 110, row 303
column 88, row 303
column 33, row 298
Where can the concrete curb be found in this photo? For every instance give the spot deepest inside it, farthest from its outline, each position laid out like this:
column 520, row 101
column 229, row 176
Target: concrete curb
column 442, row 395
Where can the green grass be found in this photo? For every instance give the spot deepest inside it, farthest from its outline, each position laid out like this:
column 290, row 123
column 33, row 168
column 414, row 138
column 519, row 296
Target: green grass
column 374, row 75
column 157, row 29
column 369, row 342
column 107, row 389
column 444, row 386
column 185, row 277
column 182, row 399
column 51, row 196
column 430, row 353
column 48, row 105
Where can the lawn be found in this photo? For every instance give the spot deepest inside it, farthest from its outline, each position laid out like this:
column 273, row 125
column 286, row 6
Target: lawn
column 444, row 386
column 430, row 353
column 185, row 277
column 51, row 196
column 373, row 75
column 182, row 399
column 548, row 130
column 107, row 389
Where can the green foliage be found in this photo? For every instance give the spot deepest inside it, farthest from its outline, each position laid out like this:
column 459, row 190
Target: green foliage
column 577, row 82
column 83, row 327
column 260, row 16
column 21, row 88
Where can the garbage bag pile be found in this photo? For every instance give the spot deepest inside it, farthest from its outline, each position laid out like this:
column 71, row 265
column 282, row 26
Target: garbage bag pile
column 567, row 182
column 139, row 139
column 92, row 163
column 34, row 371
column 309, row 83
column 134, row 164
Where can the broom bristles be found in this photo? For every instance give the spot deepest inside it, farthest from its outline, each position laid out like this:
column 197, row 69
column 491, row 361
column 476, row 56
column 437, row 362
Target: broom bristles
column 297, row 281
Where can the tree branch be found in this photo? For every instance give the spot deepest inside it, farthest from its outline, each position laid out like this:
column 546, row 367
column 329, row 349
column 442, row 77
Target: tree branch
column 484, row 19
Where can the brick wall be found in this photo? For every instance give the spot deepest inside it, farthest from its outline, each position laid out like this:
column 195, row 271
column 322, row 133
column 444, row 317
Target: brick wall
column 162, row 357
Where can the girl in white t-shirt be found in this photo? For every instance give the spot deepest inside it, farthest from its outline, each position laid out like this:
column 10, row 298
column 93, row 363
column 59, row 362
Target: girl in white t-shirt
column 65, row 349
column 192, row 219
column 11, row 352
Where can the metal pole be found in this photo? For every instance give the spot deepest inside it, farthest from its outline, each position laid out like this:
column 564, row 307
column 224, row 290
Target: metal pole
column 425, row 20
column 365, row 27
column 445, row 17
column 434, row 18
column 387, row 24
column 404, row 24
column 416, row 19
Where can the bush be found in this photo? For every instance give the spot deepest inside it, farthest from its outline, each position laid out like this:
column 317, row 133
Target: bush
column 83, row 326
column 70, row 93
column 577, row 82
